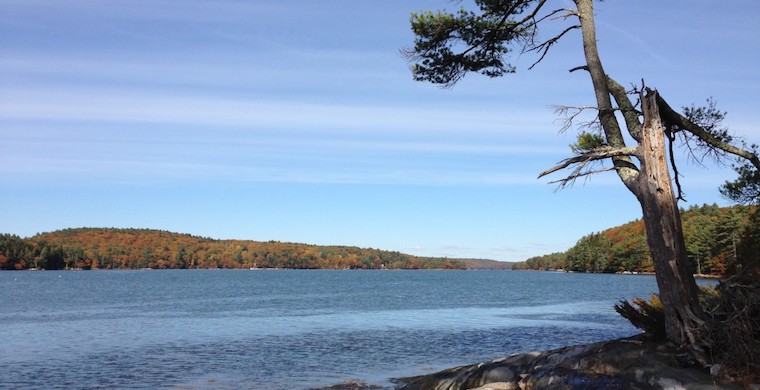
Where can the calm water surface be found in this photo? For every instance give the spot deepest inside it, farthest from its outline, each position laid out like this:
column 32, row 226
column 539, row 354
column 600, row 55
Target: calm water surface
column 243, row 329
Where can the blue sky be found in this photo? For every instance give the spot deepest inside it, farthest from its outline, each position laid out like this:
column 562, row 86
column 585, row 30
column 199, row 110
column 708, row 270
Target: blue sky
column 299, row 121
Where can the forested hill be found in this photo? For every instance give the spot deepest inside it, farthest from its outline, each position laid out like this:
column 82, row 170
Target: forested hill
column 103, row 248
column 486, row 264
column 717, row 239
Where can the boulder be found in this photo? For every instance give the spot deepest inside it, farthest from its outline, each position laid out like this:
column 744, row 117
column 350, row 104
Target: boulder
column 630, row 363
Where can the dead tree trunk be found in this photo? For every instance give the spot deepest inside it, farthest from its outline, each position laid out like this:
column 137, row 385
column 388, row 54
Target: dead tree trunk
column 652, row 186
column 662, row 220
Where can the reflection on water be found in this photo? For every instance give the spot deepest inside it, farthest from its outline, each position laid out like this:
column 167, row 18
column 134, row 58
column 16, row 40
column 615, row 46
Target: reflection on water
column 288, row 329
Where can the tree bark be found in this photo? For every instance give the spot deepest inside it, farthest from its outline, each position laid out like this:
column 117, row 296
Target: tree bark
column 612, row 131
column 662, row 221
column 652, row 186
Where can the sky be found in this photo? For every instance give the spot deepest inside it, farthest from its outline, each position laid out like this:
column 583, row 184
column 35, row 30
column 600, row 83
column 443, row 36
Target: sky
column 299, row 121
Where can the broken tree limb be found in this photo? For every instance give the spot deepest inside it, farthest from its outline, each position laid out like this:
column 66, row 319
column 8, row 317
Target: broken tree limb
column 597, row 154
column 672, row 117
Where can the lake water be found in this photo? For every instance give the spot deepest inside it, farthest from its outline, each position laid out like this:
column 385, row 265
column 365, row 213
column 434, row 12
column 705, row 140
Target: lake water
column 263, row 329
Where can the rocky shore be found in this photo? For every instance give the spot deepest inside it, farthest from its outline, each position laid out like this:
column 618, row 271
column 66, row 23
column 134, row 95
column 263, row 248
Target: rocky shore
column 631, row 363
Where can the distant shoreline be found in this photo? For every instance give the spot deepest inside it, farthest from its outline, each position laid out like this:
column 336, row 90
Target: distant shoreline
column 697, row 276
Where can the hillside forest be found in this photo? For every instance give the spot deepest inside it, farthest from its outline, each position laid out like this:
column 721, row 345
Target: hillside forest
column 107, row 248
column 718, row 241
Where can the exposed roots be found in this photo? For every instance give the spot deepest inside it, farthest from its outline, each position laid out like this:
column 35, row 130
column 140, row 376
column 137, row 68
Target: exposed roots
column 732, row 330
column 729, row 335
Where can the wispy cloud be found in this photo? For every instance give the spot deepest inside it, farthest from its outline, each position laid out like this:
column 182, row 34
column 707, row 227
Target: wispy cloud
column 140, row 106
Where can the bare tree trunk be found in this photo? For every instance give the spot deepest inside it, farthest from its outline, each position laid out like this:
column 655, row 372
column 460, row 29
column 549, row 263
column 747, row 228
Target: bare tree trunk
column 651, row 184
column 662, row 220
column 612, row 131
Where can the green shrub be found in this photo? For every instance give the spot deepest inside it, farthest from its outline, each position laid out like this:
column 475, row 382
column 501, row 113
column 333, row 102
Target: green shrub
column 645, row 314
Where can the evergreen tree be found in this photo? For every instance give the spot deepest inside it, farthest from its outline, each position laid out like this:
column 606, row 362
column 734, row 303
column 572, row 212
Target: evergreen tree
column 449, row 45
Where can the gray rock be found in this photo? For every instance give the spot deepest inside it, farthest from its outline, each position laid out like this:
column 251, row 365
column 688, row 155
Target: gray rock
column 497, row 386
column 631, row 363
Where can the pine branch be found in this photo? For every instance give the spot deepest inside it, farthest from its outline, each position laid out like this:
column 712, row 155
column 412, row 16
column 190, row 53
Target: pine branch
column 544, row 47
column 672, row 118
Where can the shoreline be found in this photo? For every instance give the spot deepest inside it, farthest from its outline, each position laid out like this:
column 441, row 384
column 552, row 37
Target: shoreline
column 627, row 363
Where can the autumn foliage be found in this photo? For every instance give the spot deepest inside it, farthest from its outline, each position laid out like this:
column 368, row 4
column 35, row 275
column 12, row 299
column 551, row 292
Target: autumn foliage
column 718, row 241
column 101, row 248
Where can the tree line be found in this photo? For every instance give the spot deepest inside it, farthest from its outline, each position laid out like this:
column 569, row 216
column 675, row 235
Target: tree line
column 109, row 248
column 718, row 241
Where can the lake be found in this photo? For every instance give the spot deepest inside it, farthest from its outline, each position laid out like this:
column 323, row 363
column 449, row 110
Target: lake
column 288, row 329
